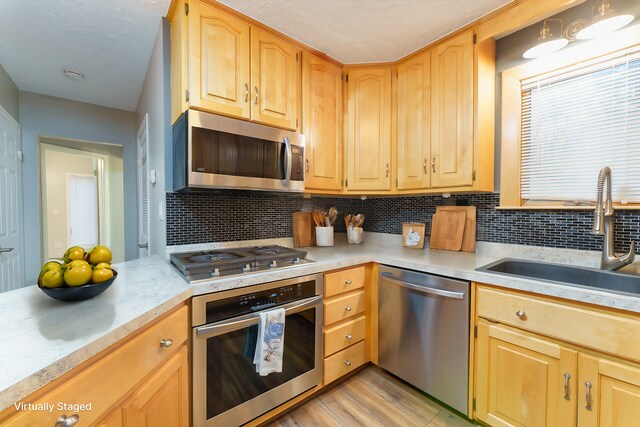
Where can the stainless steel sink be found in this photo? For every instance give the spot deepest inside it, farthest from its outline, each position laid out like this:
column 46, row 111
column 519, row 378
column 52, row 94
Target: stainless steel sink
column 565, row 274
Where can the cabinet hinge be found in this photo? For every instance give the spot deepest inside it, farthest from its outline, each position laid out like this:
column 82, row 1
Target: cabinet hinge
column 473, row 175
column 186, row 8
column 346, row 182
column 342, row 182
column 346, row 78
column 296, row 123
column 396, row 182
column 473, row 404
column 296, row 57
column 20, row 156
column 475, row 331
column 475, row 38
column 186, row 95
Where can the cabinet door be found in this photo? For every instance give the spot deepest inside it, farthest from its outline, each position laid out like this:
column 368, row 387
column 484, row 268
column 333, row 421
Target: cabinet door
column 369, row 129
column 523, row 380
column 162, row 400
column 608, row 393
column 414, row 122
column 219, row 62
column 275, row 80
column 113, row 419
column 452, row 109
column 322, row 123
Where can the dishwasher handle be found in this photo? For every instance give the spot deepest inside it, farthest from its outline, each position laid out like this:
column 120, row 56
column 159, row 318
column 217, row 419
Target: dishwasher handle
column 425, row 290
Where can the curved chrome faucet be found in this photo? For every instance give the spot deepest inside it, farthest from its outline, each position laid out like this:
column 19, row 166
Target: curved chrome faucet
column 603, row 216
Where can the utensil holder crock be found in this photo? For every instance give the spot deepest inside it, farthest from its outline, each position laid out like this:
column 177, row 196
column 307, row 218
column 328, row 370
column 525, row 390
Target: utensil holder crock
column 324, row 236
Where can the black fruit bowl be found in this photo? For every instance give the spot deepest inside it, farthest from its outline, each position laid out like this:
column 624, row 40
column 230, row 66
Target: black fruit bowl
column 78, row 293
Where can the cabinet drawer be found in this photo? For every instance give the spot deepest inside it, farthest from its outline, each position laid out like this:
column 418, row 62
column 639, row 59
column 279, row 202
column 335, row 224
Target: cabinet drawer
column 595, row 328
column 343, row 362
column 111, row 378
column 343, row 281
column 343, row 307
column 342, row 336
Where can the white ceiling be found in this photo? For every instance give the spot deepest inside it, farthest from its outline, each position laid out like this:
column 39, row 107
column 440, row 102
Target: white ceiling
column 357, row 31
column 110, row 41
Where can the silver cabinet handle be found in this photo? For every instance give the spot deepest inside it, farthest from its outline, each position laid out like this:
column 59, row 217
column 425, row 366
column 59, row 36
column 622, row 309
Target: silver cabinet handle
column 423, row 289
column 433, row 164
column 255, row 88
column 387, row 173
column 3, row 250
column 521, row 315
column 166, row 343
column 67, row 421
column 424, row 166
column 347, row 362
column 347, row 282
column 246, row 92
column 588, row 386
column 347, row 308
column 349, row 336
column 307, row 161
column 567, row 377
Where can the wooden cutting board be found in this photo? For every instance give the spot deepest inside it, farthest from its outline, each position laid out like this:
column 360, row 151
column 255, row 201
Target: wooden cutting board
column 447, row 230
column 304, row 232
column 469, row 238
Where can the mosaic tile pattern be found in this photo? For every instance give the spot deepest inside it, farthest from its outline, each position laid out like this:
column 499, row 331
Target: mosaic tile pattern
column 219, row 217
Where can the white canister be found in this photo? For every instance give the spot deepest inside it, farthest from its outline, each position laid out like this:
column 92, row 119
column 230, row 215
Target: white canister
column 324, row 236
column 354, row 235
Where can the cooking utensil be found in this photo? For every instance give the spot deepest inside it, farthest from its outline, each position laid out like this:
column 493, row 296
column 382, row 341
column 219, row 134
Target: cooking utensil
column 333, row 214
column 447, row 230
column 469, row 237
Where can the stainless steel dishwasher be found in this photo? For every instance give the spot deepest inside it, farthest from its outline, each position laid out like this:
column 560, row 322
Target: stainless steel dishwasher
column 423, row 332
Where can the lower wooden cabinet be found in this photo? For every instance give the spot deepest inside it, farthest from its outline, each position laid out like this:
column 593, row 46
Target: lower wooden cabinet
column 344, row 362
column 164, row 398
column 528, row 376
column 147, row 375
column 521, row 379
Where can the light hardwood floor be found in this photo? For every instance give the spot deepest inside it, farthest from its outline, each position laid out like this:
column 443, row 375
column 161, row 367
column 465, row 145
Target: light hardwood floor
column 371, row 398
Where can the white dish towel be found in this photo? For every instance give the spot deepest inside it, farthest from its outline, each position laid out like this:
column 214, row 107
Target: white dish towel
column 270, row 345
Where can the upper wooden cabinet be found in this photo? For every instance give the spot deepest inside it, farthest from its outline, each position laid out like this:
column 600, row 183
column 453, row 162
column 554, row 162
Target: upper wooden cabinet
column 275, row 80
column 322, row 123
column 225, row 66
column 369, row 129
column 452, row 103
column 414, row 122
column 219, row 68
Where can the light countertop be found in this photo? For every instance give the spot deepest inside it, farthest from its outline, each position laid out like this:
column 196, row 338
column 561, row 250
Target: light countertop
column 43, row 338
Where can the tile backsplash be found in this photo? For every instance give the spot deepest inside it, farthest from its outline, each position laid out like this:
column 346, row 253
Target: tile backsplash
column 229, row 216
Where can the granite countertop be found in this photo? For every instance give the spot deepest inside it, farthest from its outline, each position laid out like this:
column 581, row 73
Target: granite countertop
column 43, row 338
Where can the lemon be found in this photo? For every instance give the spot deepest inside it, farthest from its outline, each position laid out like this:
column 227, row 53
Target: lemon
column 52, row 279
column 74, row 253
column 100, row 254
column 102, row 265
column 78, row 274
column 101, row 274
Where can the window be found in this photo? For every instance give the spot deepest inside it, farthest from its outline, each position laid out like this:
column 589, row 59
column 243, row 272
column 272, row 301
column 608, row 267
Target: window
column 575, row 122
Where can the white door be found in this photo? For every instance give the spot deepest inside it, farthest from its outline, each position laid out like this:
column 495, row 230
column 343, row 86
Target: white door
column 143, row 187
column 11, row 245
column 82, row 205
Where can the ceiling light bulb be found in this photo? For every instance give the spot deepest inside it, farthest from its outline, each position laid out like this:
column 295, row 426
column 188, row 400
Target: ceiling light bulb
column 604, row 21
column 545, row 48
column 74, row 75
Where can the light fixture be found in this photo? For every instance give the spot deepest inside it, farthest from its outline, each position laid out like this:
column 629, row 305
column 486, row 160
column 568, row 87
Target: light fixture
column 603, row 21
column 74, row 75
column 547, row 43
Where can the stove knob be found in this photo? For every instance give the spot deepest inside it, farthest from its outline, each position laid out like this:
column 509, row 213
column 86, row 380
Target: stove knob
column 273, row 264
column 215, row 273
column 247, row 268
column 296, row 260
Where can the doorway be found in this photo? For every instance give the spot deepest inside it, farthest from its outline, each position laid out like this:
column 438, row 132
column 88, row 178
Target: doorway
column 82, row 202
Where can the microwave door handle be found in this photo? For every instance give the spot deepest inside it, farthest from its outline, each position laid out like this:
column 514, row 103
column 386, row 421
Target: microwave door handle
column 253, row 318
column 287, row 160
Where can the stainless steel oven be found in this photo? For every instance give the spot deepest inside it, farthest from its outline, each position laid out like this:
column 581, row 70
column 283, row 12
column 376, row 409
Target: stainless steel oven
column 227, row 390
column 215, row 152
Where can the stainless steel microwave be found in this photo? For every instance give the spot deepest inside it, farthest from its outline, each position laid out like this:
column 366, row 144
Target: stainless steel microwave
column 215, row 152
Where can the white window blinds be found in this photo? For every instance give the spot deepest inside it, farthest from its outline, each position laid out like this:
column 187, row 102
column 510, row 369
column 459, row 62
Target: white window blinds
column 575, row 123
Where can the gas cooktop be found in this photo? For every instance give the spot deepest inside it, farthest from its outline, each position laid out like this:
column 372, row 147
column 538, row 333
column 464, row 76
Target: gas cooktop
column 204, row 265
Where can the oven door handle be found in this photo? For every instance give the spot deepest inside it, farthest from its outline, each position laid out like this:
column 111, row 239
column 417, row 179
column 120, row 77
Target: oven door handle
column 253, row 318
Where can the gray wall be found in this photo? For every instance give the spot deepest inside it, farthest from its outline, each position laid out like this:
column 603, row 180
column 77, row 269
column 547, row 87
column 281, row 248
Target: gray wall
column 8, row 94
column 154, row 97
column 42, row 115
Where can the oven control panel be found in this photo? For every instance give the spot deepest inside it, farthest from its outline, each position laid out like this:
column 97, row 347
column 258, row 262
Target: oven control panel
column 257, row 301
